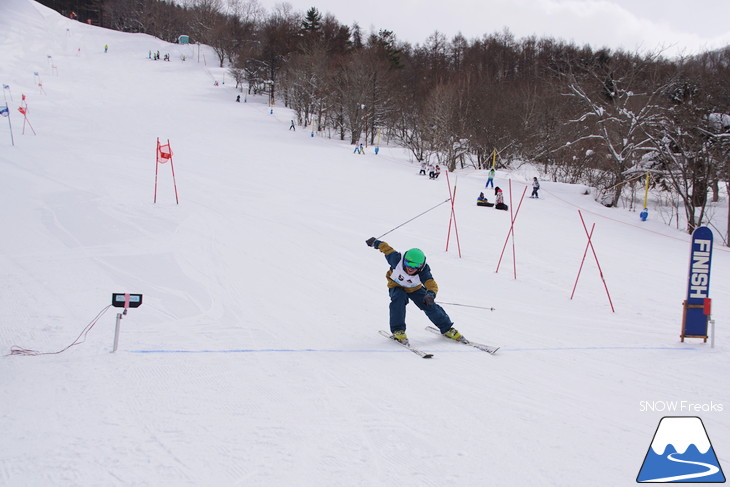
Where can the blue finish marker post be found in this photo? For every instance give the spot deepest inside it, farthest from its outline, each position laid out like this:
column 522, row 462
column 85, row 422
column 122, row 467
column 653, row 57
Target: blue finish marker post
column 694, row 319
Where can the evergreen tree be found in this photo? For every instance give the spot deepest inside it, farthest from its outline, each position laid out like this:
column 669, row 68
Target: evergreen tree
column 312, row 22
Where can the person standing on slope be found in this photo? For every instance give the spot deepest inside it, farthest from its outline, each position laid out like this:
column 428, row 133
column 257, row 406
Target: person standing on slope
column 409, row 279
column 490, row 178
column 535, row 187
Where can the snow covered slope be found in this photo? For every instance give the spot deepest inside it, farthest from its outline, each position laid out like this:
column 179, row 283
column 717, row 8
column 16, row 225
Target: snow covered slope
column 255, row 358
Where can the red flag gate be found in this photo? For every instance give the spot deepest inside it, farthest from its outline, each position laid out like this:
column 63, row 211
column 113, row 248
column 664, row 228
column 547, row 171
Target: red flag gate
column 162, row 156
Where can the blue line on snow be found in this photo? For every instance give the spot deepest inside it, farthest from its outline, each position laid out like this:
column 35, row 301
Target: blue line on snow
column 257, row 350
column 306, row 350
column 564, row 349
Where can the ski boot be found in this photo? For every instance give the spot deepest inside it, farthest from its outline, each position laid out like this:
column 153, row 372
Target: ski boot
column 400, row 336
column 454, row 335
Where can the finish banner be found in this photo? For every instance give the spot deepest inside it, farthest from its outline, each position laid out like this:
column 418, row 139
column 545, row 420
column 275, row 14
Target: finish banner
column 694, row 320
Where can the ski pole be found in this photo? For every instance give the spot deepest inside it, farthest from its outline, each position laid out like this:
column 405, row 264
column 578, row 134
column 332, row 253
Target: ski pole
column 396, row 228
column 466, row 305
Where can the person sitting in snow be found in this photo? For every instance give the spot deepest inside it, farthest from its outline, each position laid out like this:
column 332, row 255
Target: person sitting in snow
column 409, row 279
column 424, row 165
column 482, row 200
column 435, row 172
column 500, row 199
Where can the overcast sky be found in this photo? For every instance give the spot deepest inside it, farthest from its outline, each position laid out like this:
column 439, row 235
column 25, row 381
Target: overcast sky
column 677, row 26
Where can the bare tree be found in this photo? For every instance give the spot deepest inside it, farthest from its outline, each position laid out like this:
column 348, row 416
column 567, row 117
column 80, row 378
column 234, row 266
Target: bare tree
column 206, row 15
column 305, row 81
column 690, row 148
column 353, row 82
column 278, row 37
column 620, row 98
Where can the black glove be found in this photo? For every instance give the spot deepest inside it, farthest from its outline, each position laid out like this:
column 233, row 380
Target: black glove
column 429, row 299
column 370, row 241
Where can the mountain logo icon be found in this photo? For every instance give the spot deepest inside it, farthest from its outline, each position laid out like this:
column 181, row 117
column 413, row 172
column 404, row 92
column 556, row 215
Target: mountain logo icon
column 681, row 452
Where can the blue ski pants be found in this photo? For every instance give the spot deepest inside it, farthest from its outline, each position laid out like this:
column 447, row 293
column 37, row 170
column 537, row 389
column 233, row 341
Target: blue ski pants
column 399, row 299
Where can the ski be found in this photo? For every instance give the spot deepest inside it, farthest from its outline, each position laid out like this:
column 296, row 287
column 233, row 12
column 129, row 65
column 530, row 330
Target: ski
column 479, row 346
column 418, row 352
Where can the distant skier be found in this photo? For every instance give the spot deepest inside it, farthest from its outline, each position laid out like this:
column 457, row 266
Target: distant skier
column 490, row 178
column 424, row 165
column 409, row 278
column 106, row 48
column 535, row 187
column 435, row 172
column 292, row 127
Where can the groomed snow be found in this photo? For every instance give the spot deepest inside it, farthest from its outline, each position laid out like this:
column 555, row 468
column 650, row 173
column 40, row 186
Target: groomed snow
column 255, row 358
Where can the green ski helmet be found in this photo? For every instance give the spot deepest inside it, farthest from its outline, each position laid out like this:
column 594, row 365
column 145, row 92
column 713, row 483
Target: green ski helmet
column 415, row 259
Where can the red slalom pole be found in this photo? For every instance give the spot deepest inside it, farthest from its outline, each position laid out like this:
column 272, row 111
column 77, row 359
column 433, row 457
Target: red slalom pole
column 585, row 252
column 172, row 166
column 511, row 217
column 24, row 111
column 452, row 197
column 595, row 256
column 162, row 158
column 511, row 228
column 451, row 215
column 157, row 166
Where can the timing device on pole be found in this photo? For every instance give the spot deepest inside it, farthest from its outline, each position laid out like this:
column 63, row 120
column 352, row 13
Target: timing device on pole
column 126, row 301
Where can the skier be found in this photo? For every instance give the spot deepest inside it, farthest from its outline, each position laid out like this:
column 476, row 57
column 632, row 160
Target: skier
column 435, row 173
column 490, row 178
column 409, row 278
column 292, row 126
column 535, row 187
